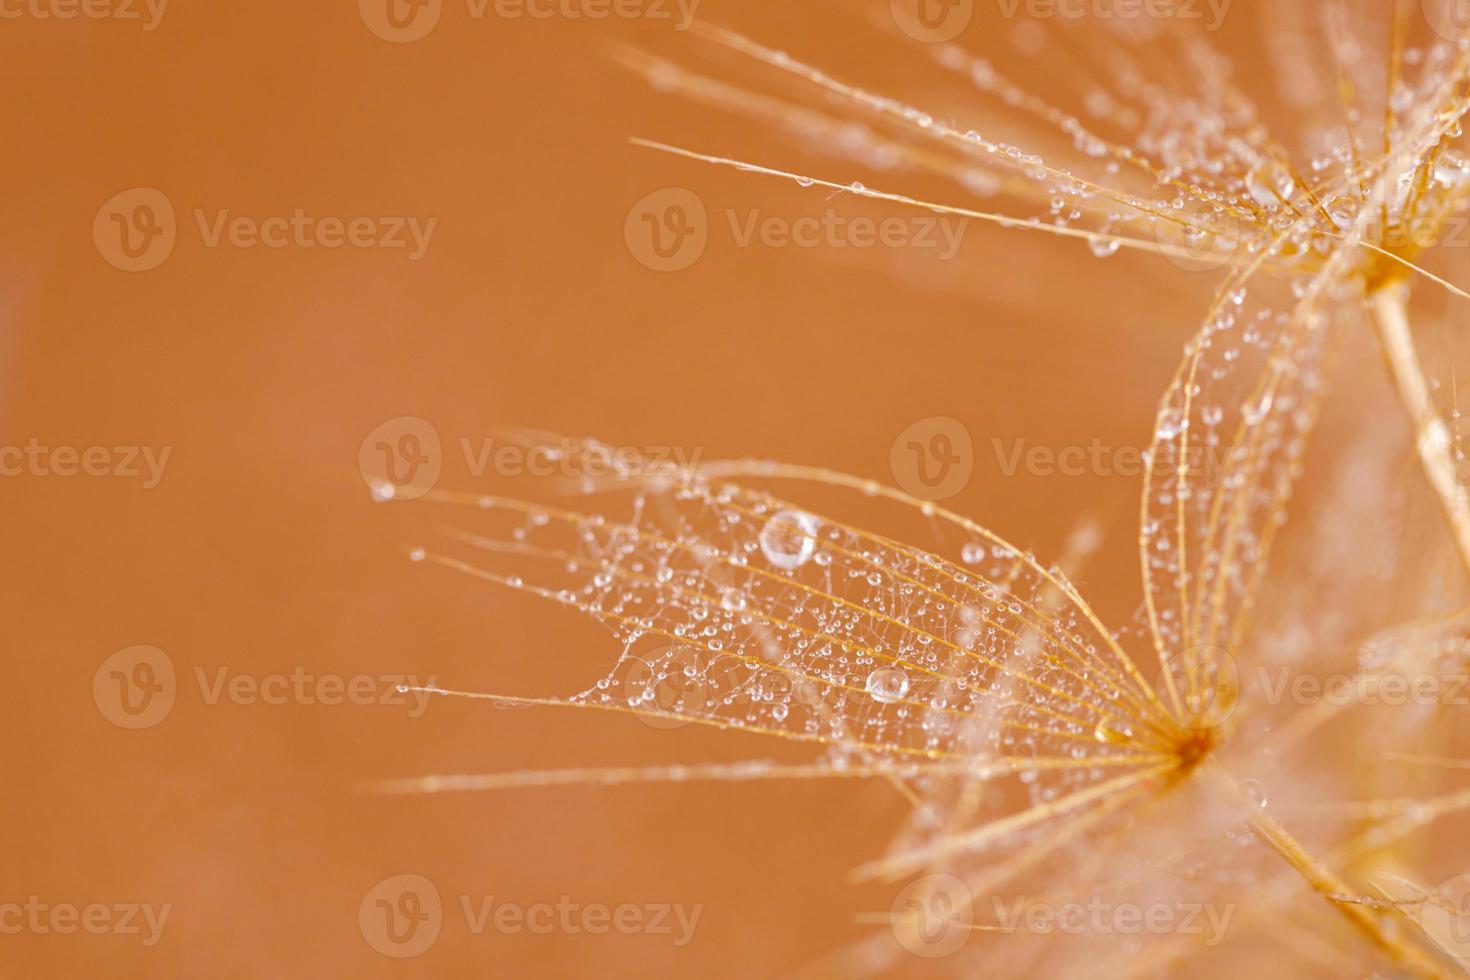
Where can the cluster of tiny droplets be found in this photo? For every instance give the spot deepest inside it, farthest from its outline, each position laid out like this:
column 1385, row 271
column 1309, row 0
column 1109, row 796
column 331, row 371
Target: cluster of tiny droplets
column 741, row 609
column 1189, row 168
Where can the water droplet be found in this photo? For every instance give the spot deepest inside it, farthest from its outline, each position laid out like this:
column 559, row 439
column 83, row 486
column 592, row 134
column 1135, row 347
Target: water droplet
column 732, row 601
column 789, row 539
column 1257, row 410
column 1342, row 211
column 1171, row 423
column 417, row 554
column 1106, row 733
column 888, row 684
column 382, row 490
column 1103, row 247
column 1270, row 184
column 1255, row 791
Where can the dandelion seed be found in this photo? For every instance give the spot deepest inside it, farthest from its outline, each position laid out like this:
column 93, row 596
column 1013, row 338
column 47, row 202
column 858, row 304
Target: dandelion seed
column 891, row 659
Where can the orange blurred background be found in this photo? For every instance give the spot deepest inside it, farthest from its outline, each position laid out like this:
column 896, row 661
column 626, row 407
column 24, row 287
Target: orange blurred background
column 263, row 370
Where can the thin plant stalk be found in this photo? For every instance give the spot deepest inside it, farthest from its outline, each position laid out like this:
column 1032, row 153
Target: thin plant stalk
column 1327, row 884
column 1389, row 304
